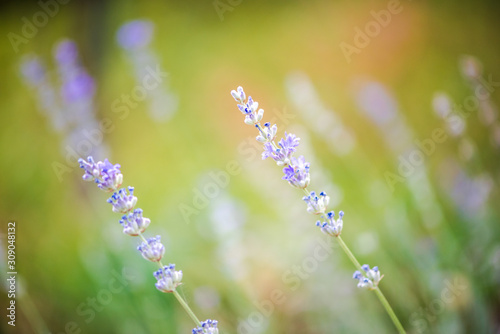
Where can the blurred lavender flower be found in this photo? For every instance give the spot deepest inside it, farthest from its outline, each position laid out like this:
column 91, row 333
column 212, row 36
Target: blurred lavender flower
column 70, row 106
column 442, row 105
column 472, row 70
column 377, row 102
column 470, row 66
column 77, row 85
column 66, row 53
column 33, row 71
column 207, row 327
column 134, row 37
column 168, row 278
column 318, row 117
column 152, row 249
column 81, row 86
column 36, row 76
column 135, row 34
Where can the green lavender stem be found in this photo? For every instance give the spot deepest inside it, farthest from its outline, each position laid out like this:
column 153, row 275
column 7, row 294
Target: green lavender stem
column 389, row 310
column 178, row 296
column 187, row 308
column 349, row 254
column 378, row 292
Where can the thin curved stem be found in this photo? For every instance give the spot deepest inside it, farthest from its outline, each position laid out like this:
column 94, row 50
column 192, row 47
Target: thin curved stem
column 349, row 253
column 389, row 310
column 377, row 290
column 187, row 308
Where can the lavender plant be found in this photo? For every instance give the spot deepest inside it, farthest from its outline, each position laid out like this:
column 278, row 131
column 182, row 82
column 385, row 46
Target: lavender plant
column 109, row 178
column 296, row 172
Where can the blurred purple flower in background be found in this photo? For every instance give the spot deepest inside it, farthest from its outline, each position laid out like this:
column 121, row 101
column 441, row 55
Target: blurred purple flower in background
column 319, row 118
column 482, row 88
column 135, row 34
column 134, row 37
column 35, row 75
column 69, row 107
column 377, row 104
column 78, row 87
column 32, row 70
column 66, row 53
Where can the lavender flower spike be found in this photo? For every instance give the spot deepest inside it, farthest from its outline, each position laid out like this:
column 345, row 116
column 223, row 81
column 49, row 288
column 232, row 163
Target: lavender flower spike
column 152, row 250
column 134, row 223
column 296, row 172
column 207, row 327
column 109, row 177
column 123, row 202
column 168, row 278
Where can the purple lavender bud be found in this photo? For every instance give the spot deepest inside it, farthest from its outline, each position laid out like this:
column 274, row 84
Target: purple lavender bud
column 134, row 223
column 239, row 95
column 123, row 202
column 316, row 204
column 168, row 278
column 207, row 327
column 135, row 34
column 283, row 154
column 297, row 173
column 368, row 280
column 152, row 250
column 331, row 226
column 377, row 103
column 268, row 133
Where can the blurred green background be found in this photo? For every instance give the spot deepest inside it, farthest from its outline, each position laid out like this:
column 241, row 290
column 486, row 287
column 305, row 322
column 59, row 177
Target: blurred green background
column 436, row 228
